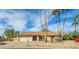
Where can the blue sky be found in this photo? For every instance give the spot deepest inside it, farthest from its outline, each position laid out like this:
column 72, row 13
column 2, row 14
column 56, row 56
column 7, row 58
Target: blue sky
column 29, row 19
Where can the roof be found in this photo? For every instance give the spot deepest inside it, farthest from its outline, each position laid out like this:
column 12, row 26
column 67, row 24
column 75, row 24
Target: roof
column 38, row 33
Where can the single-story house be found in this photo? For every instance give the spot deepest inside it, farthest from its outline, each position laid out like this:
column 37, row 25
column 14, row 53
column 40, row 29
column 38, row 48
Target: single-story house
column 36, row 36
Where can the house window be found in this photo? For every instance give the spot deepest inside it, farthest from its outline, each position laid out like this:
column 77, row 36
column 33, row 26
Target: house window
column 34, row 38
column 40, row 38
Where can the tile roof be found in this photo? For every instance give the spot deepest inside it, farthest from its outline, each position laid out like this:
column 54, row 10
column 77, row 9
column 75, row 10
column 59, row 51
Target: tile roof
column 38, row 33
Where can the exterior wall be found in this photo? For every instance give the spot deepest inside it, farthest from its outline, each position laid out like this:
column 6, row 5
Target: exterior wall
column 48, row 39
column 37, row 38
column 26, row 38
column 30, row 38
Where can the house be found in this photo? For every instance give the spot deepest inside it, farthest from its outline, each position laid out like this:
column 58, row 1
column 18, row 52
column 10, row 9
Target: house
column 36, row 36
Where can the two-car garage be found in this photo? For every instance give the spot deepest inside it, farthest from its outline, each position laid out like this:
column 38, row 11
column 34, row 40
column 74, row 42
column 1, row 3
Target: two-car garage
column 26, row 38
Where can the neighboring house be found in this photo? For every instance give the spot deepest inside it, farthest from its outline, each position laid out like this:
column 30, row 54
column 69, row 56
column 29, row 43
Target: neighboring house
column 36, row 36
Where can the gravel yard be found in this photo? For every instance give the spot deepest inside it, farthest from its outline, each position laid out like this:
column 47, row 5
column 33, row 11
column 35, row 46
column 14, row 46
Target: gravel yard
column 41, row 44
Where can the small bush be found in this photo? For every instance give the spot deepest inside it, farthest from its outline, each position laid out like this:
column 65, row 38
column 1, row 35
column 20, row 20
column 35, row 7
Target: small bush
column 57, row 39
column 68, row 38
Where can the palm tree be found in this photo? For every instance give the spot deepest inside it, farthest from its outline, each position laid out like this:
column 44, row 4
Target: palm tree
column 41, row 29
column 65, row 16
column 75, row 23
column 56, row 12
column 45, row 26
column 45, row 22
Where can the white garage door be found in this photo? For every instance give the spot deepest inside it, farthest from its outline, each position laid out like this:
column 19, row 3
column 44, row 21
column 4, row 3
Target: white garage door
column 26, row 39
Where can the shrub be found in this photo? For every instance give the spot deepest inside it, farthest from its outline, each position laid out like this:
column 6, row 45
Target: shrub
column 70, row 36
column 57, row 39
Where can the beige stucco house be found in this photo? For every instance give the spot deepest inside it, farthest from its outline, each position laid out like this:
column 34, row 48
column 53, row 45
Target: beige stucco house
column 36, row 36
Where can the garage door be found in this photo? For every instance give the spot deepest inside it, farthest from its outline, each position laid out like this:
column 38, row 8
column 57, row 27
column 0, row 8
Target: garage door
column 26, row 39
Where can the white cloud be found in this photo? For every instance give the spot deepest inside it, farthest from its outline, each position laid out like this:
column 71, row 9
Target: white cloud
column 67, row 27
column 17, row 23
column 36, row 29
column 2, row 29
column 15, row 19
column 19, row 19
column 36, row 21
column 52, row 27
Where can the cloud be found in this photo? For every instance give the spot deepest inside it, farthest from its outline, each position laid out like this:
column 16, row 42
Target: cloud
column 53, row 27
column 2, row 29
column 36, row 21
column 18, row 19
column 68, row 27
column 13, row 19
column 24, row 20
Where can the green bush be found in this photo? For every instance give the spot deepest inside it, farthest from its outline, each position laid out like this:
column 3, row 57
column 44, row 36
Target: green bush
column 70, row 36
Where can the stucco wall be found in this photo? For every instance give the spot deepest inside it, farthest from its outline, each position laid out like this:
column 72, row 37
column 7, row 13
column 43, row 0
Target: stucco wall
column 48, row 39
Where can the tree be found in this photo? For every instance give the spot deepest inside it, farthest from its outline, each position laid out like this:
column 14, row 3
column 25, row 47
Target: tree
column 75, row 23
column 57, row 12
column 65, row 16
column 64, row 21
column 9, row 33
column 45, row 26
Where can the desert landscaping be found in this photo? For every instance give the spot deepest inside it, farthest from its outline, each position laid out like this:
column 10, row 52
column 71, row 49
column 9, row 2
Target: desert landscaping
column 36, row 45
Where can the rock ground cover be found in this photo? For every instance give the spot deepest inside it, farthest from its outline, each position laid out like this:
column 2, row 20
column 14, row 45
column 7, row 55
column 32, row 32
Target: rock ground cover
column 65, row 44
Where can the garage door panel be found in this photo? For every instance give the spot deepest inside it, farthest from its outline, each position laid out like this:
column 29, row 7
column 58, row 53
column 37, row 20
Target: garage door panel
column 26, row 39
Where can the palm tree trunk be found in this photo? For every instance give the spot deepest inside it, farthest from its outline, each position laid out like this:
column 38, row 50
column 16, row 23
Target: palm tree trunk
column 57, row 23
column 45, row 27
column 40, row 23
column 63, row 27
column 41, row 26
column 76, row 28
column 64, row 23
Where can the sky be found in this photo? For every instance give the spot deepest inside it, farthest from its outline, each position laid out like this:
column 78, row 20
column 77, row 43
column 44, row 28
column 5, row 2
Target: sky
column 25, row 20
